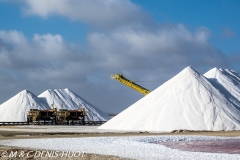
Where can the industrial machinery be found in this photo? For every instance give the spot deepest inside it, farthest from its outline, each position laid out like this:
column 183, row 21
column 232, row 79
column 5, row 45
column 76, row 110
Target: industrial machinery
column 130, row 84
column 54, row 116
column 65, row 116
column 35, row 115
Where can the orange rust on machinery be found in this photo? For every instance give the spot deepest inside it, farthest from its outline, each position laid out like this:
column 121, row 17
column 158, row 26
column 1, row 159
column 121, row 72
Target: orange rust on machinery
column 55, row 117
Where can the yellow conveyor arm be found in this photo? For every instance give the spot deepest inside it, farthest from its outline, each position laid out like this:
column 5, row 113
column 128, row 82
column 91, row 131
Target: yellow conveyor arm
column 131, row 84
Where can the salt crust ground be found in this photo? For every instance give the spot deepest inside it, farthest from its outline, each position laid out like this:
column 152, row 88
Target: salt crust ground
column 138, row 147
column 56, row 129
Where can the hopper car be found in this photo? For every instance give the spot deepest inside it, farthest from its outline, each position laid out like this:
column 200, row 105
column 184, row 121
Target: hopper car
column 55, row 116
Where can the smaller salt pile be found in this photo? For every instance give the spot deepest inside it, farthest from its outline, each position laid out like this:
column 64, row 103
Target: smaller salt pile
column 226, row 81
column 15, row 109
column 67, row 99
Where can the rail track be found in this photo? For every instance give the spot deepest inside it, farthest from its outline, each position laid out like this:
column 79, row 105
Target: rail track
column 48, row 123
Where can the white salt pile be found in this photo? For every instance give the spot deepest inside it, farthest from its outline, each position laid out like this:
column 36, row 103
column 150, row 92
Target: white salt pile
column 67, row 99
column 187, row 101
column 227, row 81
column 15, row 109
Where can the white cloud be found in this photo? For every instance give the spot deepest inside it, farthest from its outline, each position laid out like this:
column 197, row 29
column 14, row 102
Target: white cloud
column 14, row 37
column 43, row 51
column 49, row 45
column 48, row 61
column 149, row 49
column 48, row 39
column 103, row 13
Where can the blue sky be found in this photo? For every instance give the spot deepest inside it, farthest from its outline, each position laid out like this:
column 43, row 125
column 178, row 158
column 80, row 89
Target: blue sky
column 221, row 17
column 79, row 44
column 14, row 19
column 217, row 15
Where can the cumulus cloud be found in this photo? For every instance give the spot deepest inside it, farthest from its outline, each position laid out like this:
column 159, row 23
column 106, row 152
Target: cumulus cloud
column 44, row 62
column 48, row 61
column 103, row 13
column 20, row 53
column 147, row 50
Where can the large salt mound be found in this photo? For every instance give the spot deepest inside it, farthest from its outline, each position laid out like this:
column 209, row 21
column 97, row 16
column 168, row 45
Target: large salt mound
column 66, row 99
column 187, row 101
column 15, row 109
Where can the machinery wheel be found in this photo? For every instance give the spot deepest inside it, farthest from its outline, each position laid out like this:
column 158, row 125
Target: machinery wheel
column 29, row 120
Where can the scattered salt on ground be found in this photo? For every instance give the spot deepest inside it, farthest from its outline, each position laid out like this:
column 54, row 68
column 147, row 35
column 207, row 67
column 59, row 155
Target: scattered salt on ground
column 58, row 129
column 142, row 147
column 187, row 101
column 67, row 99
column 15, row 109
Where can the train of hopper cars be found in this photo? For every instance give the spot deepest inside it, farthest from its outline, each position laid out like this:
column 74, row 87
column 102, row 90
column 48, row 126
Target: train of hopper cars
column 56, row 117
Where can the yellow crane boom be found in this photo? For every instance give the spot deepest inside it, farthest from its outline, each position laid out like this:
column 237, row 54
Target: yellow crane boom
column 131, row 84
